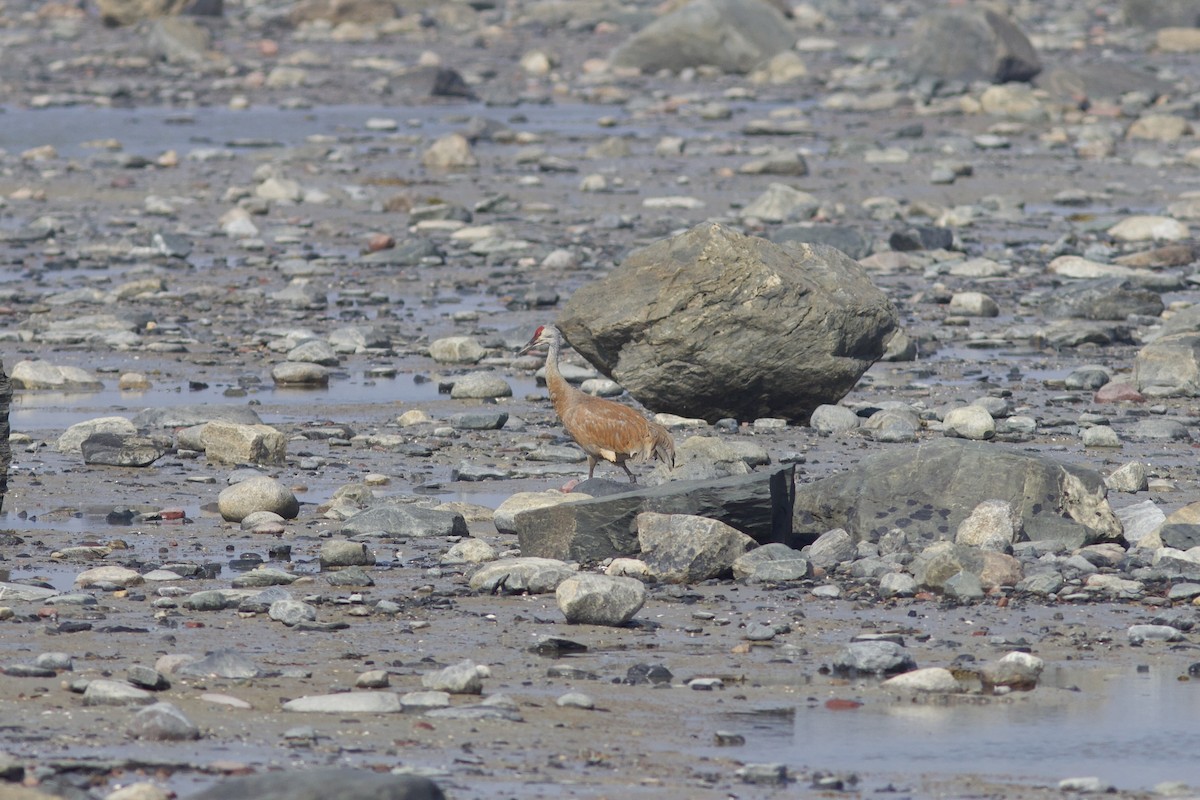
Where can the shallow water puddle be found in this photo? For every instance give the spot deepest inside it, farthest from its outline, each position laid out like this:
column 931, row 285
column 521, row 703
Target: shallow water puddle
column 150, row 131
column 1131, row 729
column 57, row 411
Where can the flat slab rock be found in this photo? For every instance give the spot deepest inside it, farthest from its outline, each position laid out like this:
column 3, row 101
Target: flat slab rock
column 758, row 504
column 927, row 490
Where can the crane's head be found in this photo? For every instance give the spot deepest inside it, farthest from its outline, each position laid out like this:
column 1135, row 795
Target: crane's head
column 544, row 336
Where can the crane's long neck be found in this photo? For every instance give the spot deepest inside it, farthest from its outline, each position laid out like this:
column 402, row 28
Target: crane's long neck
column 555, row 382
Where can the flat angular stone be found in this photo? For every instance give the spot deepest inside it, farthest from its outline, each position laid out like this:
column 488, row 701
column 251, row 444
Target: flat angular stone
column 347, row 703
column 120, row 450
column 405, row 521
column 526, row 574
column 758, row 504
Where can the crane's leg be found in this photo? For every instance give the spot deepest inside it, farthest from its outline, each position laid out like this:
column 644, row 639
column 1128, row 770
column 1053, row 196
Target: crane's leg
column 591, row 466
column 632, row 477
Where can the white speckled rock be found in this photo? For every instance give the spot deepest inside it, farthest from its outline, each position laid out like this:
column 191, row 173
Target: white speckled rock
column 456, row 350
column 1141, row 228
column 935, row 680
column 347, row 703
column 591, row 599
column 991, row 525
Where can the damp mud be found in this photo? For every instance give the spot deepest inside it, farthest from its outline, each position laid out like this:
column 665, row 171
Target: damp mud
column 1105, row 707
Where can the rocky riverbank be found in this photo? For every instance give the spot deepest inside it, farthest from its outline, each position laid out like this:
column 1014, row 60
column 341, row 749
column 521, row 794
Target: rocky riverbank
column 284, row 499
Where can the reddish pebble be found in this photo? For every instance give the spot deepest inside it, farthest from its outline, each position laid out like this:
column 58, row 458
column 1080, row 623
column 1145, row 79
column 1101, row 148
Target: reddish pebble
column 171, row 513
column 838, row 704
column 193, row 624
column 268, row 48
column 380, row 241
column 1115, row 392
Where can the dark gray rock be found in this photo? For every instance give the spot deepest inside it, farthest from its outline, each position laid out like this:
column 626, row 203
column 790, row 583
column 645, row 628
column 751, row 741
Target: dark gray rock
column 732, row 35
column 715, row 324
column 970, row 44
column 5, row 445
column 403, row 522
column 149, row 678
column 877, row 657
column 759, row 505
column 1074, row 333
column 115, row 450
column 162, row 722
column 431, row 81
column 851, row 241
column 1089, row 377
column 1101, row 78
column 221, row 664
column 187, row 416
column 409, row 253
column 479, row 420
column 1180, row 535
column 329, row 783
column 1105, row 300
column 1161, row 13
column 921, row 237
column 927, row 490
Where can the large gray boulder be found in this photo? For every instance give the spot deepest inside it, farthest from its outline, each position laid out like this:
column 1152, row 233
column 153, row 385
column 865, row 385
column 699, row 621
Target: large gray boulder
column 732, row 35
column 970, row 44
column 712, row 323
column 928, row 490
column 759, row 505
column 1110, row 299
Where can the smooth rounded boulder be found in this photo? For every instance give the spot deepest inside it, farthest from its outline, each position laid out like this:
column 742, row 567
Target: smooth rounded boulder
column 261, row 493
column 713, row 324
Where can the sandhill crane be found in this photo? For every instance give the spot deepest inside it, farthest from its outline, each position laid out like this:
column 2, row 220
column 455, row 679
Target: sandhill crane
column 603, row 428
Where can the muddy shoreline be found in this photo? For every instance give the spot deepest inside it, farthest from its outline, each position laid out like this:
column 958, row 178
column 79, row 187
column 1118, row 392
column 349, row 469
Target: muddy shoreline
column 144, row 148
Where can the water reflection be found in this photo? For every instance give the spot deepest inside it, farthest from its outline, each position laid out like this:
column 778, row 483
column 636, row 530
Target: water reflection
column 1131, row 729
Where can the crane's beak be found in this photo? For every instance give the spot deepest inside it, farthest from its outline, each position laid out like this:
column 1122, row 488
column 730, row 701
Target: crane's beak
column 533, row 344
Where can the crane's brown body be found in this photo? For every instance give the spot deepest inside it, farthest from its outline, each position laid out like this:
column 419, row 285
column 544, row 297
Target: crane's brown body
column 604, row 429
